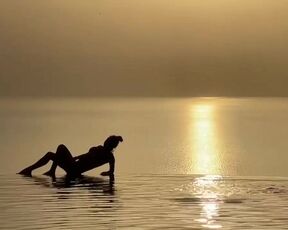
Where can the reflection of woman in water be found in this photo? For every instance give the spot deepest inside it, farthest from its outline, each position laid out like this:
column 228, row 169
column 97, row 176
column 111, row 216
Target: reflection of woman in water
column 75, row 166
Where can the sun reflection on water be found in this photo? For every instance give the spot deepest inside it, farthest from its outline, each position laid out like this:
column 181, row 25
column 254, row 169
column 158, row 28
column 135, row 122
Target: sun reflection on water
column 205, row 160
column 203, row 139
column 209, row 201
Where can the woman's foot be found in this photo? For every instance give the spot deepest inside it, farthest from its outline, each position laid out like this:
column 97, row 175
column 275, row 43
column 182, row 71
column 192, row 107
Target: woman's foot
column 49, row 173
column 26, row 172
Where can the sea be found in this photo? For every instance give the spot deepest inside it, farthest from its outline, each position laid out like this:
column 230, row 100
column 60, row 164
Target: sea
column 185, row 163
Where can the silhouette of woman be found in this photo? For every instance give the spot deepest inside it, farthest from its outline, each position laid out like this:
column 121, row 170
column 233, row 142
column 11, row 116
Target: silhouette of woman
column 75, row 166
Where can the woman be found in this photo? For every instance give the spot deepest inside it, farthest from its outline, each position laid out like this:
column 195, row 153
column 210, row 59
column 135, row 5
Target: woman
column 75, row 166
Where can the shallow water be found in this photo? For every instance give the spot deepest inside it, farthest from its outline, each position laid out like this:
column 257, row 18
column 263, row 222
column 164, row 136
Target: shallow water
column 199, row 163
column 144, row 202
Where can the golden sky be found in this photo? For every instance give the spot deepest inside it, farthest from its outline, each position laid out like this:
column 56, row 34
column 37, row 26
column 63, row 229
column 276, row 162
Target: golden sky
column 144, row 48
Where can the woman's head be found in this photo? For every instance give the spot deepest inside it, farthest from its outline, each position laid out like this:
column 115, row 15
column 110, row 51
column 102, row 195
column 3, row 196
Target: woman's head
column 112, row 142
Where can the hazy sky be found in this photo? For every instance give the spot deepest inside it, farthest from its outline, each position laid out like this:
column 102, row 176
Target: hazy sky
column 144, row 48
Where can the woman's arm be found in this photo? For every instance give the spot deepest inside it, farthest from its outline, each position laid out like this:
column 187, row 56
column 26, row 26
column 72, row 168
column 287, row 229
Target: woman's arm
column 111, row 167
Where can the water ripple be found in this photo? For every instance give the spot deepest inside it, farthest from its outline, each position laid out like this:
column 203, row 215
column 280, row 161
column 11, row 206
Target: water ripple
column 143, row 201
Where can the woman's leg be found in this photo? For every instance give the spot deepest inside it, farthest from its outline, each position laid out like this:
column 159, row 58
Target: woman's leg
column 63, row 158
column 52, row 170
column 43, row 161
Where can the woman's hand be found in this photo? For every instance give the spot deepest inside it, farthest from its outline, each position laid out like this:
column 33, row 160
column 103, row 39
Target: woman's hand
column 110, row 174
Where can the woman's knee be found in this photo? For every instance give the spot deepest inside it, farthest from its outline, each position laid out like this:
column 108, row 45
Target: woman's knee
column 62, row 148
column 50, row 155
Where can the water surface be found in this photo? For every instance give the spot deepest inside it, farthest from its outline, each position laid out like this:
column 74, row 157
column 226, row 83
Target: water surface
column 144, row 202
column 196, row 163
column 232, row 137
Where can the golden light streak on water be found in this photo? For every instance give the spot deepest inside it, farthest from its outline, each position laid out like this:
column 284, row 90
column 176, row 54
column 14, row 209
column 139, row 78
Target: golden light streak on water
column 203, row 136
column 209, row 201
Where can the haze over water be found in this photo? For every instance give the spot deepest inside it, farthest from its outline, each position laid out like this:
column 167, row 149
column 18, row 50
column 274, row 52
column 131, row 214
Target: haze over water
column 196, row 163
column 143, row 48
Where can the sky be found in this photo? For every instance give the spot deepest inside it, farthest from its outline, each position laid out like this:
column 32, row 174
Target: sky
column 173, row 48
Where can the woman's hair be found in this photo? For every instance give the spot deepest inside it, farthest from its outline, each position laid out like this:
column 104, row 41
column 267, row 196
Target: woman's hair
column 112, row 141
